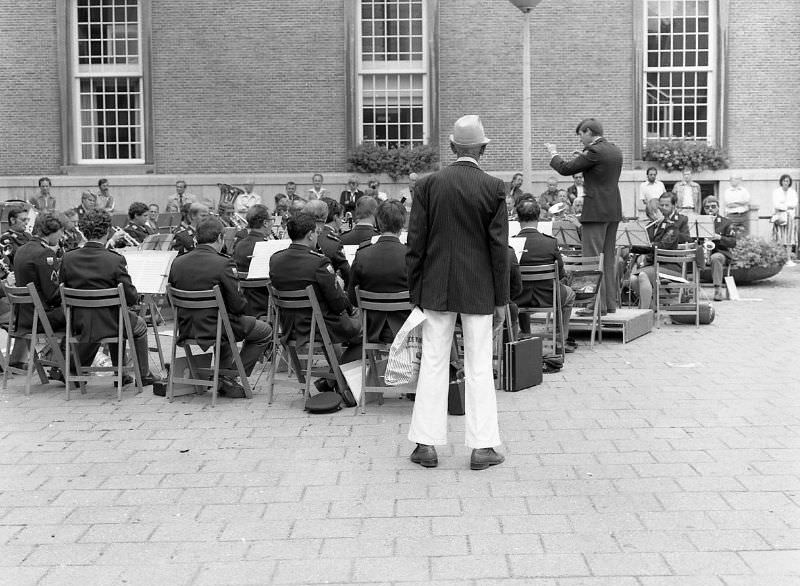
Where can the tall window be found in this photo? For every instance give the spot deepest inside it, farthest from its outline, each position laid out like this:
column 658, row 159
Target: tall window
column 679, row 100
column 107, row 83
column 392, row 67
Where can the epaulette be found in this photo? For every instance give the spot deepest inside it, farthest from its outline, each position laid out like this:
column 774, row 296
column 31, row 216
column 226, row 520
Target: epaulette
column 332, row 236
column 315, row 253
column 365, row 244
column 548, row 236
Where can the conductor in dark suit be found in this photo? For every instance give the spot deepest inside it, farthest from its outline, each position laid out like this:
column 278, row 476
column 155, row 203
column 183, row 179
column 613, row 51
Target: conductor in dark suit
column 381, row 268
column 96, row 267
column 458, row 266
column 601, row 165
column 199, row 270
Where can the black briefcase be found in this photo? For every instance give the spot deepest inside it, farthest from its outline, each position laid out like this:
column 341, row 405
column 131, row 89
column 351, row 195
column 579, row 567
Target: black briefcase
column 522, row 364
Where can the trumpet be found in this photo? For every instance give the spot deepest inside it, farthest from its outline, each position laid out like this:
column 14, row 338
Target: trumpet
column 241, row 223
column 119, row 233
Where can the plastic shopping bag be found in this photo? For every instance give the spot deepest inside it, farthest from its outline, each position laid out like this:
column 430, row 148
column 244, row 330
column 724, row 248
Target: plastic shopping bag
column 405, row 354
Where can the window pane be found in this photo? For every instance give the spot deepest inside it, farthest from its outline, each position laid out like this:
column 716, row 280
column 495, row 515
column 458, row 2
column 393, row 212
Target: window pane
column 392, row 112
column 399, row 23
column 106, row 108
column 112, row 30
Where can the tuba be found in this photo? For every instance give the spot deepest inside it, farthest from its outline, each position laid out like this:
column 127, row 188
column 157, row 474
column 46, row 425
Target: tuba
column 228, row 193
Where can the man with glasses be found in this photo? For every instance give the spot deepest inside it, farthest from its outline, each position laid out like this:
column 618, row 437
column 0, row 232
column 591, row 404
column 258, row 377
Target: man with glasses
column 724, row 240
column 350, row 196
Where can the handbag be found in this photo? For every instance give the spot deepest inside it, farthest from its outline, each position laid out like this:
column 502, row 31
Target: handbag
column 780, row 218
column 405, row 354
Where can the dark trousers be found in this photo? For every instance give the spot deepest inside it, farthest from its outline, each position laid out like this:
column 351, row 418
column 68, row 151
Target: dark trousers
column 256, row 338
column 86, row 351
column 600, row 237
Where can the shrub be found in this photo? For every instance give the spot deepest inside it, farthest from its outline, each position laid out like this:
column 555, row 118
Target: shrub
column 677, row 155
column 373, row 159
column 756, row 252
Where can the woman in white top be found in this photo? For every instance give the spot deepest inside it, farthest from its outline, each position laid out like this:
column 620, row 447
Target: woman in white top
column 784, row 208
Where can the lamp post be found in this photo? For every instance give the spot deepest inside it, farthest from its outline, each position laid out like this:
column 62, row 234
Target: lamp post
column 526, row 6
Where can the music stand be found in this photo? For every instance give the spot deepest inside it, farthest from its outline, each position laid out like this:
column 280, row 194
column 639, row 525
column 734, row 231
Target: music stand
column 704, row 227
column 567, row 232
column 633, row 233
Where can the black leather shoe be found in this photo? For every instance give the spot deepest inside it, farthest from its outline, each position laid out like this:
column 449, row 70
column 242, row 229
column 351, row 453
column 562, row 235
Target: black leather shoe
column 425, row 455
column 231, row 388
column 151, row 379
column 160, row 388
column 126, row 380
column 482, row 458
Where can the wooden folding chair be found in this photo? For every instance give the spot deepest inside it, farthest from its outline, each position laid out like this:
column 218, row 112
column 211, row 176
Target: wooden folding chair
column 586, row 274
column 302, row 300
column 17, row 297
column 206, row 299
column 532, row 274
column 687, row 281
column 96, row 299
column 371, row 351
column 245, row 284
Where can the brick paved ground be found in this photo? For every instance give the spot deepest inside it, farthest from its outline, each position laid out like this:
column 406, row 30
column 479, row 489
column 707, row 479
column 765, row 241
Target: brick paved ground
column 674, row 460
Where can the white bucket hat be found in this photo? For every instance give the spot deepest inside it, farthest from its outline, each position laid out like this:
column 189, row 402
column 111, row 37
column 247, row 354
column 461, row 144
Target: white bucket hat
column 468, row 131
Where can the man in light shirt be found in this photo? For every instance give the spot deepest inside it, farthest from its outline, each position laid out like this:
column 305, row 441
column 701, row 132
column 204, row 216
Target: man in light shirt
column 688, row 193
column 247, row 199
column 651, row 189
column 736, row 205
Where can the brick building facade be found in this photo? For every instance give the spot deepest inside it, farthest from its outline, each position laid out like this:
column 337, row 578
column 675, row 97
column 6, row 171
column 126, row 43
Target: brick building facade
column 272, row 89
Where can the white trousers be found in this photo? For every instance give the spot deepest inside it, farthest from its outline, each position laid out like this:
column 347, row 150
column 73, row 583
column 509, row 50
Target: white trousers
column 429, row 420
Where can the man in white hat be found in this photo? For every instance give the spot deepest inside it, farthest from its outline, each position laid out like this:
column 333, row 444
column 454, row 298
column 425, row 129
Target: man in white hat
column 458, row 265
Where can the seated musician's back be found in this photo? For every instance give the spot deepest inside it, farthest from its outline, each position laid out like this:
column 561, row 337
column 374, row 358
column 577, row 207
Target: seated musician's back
column 364, row 229
column 259, row 222
column 381, row 268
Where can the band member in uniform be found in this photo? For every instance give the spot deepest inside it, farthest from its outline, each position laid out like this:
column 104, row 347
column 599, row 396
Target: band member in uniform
column 16, row 235
column 88, row 202
column 381, row 268
column 73, row 238
column 95, row 267
column 138, row 214
column 200, row 270
column 724, row 240
column 329, row 242
column 665, row 232
column 301, row 265
column 541, row 249
column 185, row 237
column 364, row 229
column 259, row 221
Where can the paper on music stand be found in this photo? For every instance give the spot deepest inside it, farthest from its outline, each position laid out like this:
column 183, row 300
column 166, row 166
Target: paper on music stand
column 705, row 227
column 545, row 228
column 404, row 237
column 513, row 228
column 262, row 252
column 636, row 233
column 518, row 244
column 149, row 269
column 350, row 252
column 567, row 232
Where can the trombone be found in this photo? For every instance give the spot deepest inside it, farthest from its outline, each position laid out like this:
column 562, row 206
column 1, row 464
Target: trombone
column 119, row 233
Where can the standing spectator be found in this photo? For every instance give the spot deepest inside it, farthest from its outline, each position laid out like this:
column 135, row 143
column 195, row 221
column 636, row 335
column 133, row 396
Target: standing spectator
column 43, row 201
column 350, row 195
column 373, row 189
column 688, row 193
column 735, row 205
column 407, row 195
column 88, row 202
column 317, row 191
column 105, row 201
column 458, row 265
column 575, row 190
column 514, row 192
column 601, row 164
column 652, row 188
column 784, row 211
column 176, row 201
column 244, row 201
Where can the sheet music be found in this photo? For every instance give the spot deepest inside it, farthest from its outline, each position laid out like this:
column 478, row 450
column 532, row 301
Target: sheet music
column 403, row 237
column 513, row 228
column 263, row 251
column 149, row 269
column 705, row 227
column 518, row 244
column 350, row 252
column 545, row 228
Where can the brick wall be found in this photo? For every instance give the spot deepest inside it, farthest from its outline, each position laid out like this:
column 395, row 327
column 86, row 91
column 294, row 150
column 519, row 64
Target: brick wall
column 30, row 131
column 763, row 97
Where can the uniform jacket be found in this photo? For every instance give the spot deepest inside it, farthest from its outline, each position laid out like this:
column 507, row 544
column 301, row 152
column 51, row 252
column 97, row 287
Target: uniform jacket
column 184, row 240
column 139, row 233
column 360, row 233
column 601, row 165
column 11, row 241
column 96, row 267
column 667, row 234
column 540, row 249
column 380, row 268
column 296, row 268
column 257, row 298
column 330, row 245
column 458, row 241
column 37, row 263
column 199, row 270
column 724, row 227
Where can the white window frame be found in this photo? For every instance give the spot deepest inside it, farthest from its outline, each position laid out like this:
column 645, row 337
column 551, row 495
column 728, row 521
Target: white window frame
column 711, row 70
column 416, row 67
column 79, row 72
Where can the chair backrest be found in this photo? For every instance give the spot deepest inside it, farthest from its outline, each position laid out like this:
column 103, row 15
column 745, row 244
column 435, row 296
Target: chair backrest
column 17, row 295
column 687, row 256
column 93, row 298
column 205, row 299
column 297, row 299
column 534, row 273
column 582, row 263
column 246, row 283
column 158, row 242
column 388, row 302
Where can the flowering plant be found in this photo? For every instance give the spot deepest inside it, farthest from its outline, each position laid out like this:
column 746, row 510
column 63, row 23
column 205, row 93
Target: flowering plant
column 676, row 155
column 756, row 252
column 395, row 162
